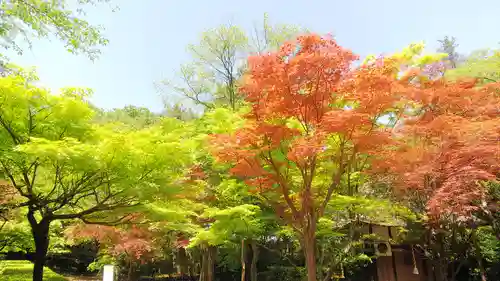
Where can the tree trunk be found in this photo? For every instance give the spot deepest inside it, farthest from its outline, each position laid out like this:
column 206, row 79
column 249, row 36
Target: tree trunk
column 208, row 255
column 255, row 258
column 182, row 261
column 309, row 248
column 212, row 254
column 441, row 265
column 243, row 260
column 40, row 233
column 430, row 270
column 204, row 263
column 130, row 267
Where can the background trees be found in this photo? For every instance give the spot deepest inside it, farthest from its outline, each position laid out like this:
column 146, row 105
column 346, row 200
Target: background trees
column 449, row 46
column 219, row 60
column 432, row 164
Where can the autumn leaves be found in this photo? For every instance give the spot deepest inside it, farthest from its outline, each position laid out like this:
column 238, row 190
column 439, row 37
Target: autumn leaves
column 314, row 113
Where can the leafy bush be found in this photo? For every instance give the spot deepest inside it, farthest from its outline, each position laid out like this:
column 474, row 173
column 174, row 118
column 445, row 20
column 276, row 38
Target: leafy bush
column 22, row 271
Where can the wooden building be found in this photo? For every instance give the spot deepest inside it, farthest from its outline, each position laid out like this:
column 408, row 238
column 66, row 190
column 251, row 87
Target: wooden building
column 394, row 261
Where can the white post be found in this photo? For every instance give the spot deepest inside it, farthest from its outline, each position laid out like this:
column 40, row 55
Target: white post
column 108, row 273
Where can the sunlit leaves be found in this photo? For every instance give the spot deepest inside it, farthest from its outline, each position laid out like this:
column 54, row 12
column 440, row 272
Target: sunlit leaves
column 27, row 111
column 293, row 136
column 482, row 64
column 232, row 223
column 44, row 18
column 129, row 116
column 220, row 120
column 52, row 150
column 314, row 125
column 448, row 143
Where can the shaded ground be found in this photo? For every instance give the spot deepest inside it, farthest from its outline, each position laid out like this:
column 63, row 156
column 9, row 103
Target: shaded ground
column 83, row 278
column 22, row 271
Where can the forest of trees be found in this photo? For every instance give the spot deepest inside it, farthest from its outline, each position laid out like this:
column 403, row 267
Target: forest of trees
column 279, row 144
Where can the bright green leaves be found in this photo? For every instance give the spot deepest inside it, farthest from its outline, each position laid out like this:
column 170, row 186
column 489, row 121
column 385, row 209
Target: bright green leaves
column 232, row 191
column 64, row 166
column 410, row 57
column 294, row 123
column 27, row 111
column 138, row 163
column 16, row 236
column 371, row 209
column 326, row 227
column 413, row 55
column 129, row 116
column 68, row 151
column 489, row 245
column 481, row 64
column 232, row 223
column 53, row 152
column 220, row 121
column 44, row 18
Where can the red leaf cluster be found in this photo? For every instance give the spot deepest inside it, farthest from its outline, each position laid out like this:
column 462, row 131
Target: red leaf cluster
column 450, row 147
column 309, row 82
column 445, row 143
column 298, row 80
column 135, row 242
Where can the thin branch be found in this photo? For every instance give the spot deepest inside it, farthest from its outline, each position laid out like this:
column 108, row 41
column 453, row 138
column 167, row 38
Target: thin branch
column 285, row 189
column 489, row 79
column 92, row 210
column 16, row 140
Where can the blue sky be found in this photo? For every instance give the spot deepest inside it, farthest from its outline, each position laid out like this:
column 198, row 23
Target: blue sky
column 148, row 40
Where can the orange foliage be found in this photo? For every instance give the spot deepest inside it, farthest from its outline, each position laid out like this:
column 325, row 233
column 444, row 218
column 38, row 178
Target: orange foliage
column 196, row 173
column 310, row 81
column 313, row 117
column 445, row 143
column 450, row 147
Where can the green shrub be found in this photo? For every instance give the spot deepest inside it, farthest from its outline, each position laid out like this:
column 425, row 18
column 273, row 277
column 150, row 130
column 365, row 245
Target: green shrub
column 22, row 271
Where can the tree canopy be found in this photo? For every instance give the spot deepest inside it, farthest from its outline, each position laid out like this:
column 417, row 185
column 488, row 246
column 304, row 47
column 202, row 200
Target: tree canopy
column 62, row 19
column 290, row 150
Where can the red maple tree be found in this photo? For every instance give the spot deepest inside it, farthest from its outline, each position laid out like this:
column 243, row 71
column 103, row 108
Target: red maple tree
column 135, row 243
column 314, row 120
column 448, row 145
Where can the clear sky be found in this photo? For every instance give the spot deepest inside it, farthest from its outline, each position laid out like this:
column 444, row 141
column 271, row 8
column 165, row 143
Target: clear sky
column 148, row 38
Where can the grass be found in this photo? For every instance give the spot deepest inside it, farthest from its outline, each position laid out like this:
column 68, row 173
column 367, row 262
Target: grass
column 22, row 271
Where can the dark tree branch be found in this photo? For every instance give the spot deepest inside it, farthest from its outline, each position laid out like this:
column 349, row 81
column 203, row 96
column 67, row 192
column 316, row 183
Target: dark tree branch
column 15, row 139
column 489, row 79
column 120, row 221
column 285, row 189
column 96, row 209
